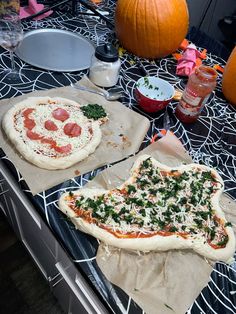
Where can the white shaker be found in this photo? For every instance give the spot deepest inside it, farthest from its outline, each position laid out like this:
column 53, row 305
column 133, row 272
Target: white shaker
column 105, row 66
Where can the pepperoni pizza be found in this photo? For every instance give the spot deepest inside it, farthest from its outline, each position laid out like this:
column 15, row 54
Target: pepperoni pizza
column 158, row 208
column 52, row 133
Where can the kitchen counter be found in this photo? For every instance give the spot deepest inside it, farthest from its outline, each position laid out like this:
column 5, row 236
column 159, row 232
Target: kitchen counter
column 67, row 257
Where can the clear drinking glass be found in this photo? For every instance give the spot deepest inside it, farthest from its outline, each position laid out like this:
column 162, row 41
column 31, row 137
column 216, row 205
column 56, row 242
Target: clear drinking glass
column 11, row 35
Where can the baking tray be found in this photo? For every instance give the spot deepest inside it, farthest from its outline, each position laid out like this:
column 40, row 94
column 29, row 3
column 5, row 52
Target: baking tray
column 56, row 50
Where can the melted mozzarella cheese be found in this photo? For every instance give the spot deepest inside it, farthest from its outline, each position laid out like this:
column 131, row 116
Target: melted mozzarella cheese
column 40, row 115
column 148, row 208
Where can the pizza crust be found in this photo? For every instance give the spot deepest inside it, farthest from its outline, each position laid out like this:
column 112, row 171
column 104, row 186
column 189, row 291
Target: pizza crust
column 43, row 161
column 156, row 242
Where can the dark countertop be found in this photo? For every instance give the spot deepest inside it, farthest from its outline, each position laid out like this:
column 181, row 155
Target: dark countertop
column 211, row 140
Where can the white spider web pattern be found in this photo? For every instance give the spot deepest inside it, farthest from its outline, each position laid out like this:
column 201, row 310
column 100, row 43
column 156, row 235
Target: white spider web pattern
column 215, row 146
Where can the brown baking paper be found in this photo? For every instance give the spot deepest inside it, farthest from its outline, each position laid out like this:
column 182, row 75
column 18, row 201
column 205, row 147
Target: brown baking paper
column 163, row 282
column 122, row 136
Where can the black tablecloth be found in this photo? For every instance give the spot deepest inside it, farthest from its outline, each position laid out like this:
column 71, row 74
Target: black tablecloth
column 211, row 140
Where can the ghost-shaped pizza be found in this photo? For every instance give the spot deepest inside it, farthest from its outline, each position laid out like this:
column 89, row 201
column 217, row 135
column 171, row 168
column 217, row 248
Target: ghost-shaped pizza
column 157, row 208
column 52, row 133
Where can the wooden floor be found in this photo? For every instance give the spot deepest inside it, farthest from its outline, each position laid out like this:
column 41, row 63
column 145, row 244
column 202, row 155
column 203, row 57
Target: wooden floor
column 23, row 290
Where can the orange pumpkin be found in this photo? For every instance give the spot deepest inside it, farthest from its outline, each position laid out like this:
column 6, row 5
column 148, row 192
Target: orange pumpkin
column 151, row 28
column 229, row 79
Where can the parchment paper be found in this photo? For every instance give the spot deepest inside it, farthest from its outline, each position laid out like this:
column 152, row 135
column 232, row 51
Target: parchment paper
column 165, row 282
column 122, row 136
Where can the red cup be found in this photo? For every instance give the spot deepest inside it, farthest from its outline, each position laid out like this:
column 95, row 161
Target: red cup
column 153, row 94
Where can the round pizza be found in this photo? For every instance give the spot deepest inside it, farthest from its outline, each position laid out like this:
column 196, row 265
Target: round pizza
column 52, row 133
column 157, row 209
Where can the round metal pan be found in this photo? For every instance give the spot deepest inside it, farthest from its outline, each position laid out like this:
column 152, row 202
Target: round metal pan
column 56, row 50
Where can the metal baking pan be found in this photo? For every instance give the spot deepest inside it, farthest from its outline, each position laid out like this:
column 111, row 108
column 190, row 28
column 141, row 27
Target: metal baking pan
column 56, row 50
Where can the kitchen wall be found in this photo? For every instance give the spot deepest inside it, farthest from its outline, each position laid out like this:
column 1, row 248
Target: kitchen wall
column 217, row 10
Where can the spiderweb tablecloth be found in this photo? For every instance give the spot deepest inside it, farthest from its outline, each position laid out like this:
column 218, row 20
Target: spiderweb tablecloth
column 210, row 141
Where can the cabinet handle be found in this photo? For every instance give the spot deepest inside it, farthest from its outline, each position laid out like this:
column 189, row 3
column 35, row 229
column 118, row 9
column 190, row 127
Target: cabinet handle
column 52, row 279
column 80, row 296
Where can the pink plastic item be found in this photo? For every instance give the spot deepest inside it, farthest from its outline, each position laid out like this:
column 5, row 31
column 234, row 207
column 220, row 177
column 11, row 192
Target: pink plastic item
column 187, row 62
column 33, row 8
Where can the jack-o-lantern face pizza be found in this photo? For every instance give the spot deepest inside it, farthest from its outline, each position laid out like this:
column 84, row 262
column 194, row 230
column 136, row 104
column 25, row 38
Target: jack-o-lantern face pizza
column 53, row 133
column 158, row 208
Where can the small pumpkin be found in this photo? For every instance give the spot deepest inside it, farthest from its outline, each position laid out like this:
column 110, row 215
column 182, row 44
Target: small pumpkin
column 229, row 79
column 151, row 28
column 10, row 6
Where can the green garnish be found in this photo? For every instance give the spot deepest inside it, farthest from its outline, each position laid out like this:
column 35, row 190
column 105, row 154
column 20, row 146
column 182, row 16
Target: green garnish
column 203, row 215
column 223, row 242
column 198, row 222
column 207, row 176
column 77, row 203
column 173, row 229
column 93, row 111
column 71, row 194
column 212, row 234
column 146, row 81
column 131, row 188
column 155, row 201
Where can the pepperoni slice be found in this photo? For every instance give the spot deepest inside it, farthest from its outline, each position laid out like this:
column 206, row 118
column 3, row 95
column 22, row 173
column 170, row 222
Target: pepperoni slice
column 27, row 112
column 63, row 149
column 50, row 141
column 29, row 124
column 50, row 125
column 72, row 129
column 60, row 114
column 33, row 135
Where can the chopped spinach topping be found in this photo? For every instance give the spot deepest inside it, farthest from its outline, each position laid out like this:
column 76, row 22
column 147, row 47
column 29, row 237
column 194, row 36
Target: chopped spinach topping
column 146, row 163
column 203, row 215
column 78, row 203
column 183, row 201
column 173, row 229
column 130, row 189
column 93, row 111
column 224, row 241
column 142, row 183
column 158, row 201
column 212, row 234
column 207, row 176
column 123, row 211
column 198, row 222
